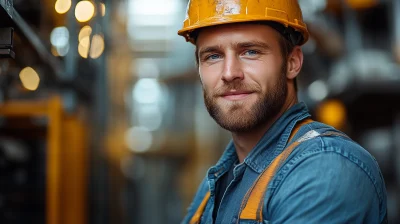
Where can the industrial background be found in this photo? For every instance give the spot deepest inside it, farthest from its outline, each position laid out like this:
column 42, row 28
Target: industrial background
column 101, row 110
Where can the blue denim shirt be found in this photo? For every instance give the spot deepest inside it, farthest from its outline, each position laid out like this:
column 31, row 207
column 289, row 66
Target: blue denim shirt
column 328, row 179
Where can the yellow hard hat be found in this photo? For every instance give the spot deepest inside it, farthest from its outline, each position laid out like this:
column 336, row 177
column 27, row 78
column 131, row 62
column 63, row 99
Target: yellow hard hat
column 205, row 13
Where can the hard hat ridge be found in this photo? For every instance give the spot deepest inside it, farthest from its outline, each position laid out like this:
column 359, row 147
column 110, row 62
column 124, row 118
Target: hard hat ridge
column 205, row 13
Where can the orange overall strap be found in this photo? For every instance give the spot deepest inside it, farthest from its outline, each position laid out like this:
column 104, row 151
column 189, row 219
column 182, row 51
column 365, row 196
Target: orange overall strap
column 252, row 204
column 196, row 217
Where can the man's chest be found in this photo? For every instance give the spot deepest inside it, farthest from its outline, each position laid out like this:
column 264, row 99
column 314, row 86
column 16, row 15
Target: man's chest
column 230, row 203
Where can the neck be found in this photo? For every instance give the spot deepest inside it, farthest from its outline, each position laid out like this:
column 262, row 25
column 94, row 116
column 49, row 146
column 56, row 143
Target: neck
column 245, row 141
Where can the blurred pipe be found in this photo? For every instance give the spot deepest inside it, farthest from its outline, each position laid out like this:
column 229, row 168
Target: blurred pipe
column 397, row 149
column 396, row 28
column 352, row 31
column 396, row 18
column 38, row 45
column 101, row 178
column 71, row 58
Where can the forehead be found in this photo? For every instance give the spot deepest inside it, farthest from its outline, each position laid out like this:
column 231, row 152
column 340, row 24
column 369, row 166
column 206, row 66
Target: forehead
column 237, row 32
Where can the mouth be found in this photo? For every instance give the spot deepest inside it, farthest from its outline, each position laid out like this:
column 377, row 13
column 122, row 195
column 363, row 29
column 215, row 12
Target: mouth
column 236, row 95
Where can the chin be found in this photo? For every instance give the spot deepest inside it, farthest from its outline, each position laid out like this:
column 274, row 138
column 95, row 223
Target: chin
column 237, row 126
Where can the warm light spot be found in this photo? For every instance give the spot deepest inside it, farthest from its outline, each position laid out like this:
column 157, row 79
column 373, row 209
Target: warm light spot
column 83, row 47
column 85, row 42
column 362, row 4
column 85, row 32
column 103, row 9
column 332, row 112
column 29, row 78
column 97, row 46
column 84, row 11
column 62, row 6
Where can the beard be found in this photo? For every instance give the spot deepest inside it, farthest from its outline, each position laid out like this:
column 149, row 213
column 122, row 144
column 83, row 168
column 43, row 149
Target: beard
column 235, row 117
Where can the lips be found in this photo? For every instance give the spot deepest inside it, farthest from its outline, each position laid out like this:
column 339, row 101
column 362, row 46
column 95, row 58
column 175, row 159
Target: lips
column 236, row 95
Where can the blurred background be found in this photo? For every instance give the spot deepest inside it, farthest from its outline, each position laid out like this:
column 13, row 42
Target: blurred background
column 101, row 109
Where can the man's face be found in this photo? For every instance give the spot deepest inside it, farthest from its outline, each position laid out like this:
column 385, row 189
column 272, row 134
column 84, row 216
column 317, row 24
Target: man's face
column 243, row 75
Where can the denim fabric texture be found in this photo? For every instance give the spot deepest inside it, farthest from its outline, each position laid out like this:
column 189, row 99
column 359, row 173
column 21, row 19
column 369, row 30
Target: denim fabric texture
column 328, row 179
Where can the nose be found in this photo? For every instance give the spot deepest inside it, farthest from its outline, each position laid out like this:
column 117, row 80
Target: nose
column 232, row 69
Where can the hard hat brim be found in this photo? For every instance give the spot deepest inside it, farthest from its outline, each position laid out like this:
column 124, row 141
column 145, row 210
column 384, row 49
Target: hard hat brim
column 215, row 21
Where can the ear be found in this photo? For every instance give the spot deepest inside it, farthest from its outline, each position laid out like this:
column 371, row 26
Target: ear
column 295, row 63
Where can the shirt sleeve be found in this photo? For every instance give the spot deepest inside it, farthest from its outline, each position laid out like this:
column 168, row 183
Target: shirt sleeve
column 325, row 188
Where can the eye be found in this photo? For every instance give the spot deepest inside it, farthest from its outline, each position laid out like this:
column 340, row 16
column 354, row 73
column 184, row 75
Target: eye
column 213, row 57
column 251, row 53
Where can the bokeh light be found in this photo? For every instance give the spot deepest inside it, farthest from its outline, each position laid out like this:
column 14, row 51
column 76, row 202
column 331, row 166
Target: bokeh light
column 29, row 78
column 84, row 11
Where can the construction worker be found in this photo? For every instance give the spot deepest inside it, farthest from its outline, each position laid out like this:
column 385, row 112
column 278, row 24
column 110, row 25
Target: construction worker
column 281, row 166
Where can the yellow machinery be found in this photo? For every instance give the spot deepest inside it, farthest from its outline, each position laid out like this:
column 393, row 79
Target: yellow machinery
column 66, row 158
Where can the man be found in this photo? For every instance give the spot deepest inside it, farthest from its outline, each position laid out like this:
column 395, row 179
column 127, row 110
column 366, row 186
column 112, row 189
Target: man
column 280, row 167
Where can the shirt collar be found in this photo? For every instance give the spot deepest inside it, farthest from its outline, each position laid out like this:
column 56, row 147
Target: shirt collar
column 225, row 162
column 276, row 138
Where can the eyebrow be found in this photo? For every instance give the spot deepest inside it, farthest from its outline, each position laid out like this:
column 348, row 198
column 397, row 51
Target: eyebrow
column 252, row 44
column 208, row 50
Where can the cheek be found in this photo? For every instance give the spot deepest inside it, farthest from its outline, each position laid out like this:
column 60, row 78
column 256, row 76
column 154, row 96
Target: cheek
column 264, row 72
column 209, row 77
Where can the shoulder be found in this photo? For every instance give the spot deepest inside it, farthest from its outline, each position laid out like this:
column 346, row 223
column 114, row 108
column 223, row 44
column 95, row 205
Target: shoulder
column 331, row 166
column 334, row 152
column 329, row 141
